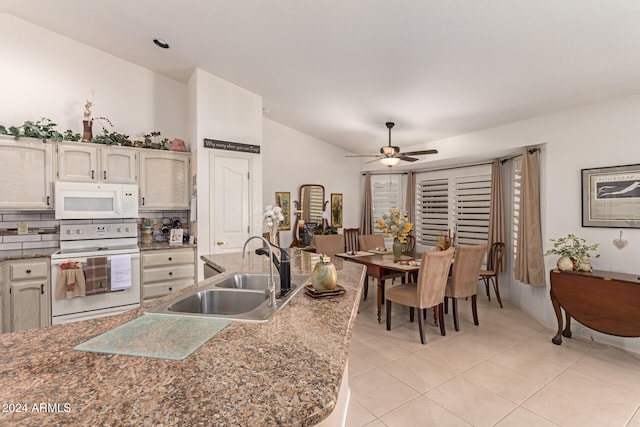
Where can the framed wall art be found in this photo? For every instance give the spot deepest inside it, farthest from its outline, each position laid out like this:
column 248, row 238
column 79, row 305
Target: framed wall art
column 283, row 199
column 336, row 210
column 611, row 197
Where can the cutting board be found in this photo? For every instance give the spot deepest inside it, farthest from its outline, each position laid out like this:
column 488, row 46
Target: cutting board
column 159, row 336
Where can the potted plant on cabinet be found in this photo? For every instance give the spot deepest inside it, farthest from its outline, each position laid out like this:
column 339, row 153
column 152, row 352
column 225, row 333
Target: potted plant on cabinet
column 574, row 253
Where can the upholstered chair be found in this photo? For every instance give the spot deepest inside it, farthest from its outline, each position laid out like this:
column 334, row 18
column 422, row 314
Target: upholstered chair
column 494, row 261
column 329, row 244
column 427, row 292
column 351, row 239
column 463, row 282
column 370, row 242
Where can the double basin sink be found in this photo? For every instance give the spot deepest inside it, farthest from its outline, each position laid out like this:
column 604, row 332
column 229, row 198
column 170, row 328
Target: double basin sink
column 242, row 296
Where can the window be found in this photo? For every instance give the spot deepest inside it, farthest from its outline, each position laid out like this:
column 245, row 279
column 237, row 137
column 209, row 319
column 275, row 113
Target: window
column 456, row 200
column 515, row 196
column 386, row 193
column 432, row 210
column 472, row 203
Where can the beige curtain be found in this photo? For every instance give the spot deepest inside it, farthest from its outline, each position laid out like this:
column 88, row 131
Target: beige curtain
column 366, row 227
column 496, row 211
column 529, row 259
column 410, row 199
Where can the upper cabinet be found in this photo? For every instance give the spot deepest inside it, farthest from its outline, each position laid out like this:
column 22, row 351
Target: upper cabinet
column 26, row 173
column 89, row 163
column 164, row 180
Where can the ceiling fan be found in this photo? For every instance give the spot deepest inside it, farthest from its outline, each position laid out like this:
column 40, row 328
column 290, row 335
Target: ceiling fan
column 390, row 155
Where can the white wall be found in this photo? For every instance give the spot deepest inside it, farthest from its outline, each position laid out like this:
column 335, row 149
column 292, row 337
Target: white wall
column 44, row 74
column 597, row 135
column 292, row 158
column 223, row 111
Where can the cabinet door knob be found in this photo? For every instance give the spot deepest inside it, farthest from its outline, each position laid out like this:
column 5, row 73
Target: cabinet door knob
column 93, row 174
column 170, row 288
column 42, row 288
column 104, row 175
column 171, row 273
column 29, row 271
column 143, row 201
column 48, row 198
column 170, row 259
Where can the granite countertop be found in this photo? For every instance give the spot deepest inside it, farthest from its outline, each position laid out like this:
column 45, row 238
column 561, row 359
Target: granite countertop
column 156, row 246
column 286, row 371
column 27, row 254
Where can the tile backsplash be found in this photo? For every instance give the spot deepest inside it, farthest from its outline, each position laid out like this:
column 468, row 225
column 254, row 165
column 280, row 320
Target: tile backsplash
column 44, row 230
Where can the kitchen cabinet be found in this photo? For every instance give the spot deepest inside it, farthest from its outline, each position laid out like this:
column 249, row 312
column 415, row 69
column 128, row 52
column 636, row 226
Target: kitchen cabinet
column 26, row 174
column 166, row 270
column 82, row 162
column 164, row 180
column 28, row 303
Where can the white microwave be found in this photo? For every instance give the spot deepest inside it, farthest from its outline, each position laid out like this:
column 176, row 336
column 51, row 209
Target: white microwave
column 80, row 200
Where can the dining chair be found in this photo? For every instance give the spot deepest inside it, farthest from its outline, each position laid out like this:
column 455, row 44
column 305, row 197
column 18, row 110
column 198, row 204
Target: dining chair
column 351, row 239
column 409, row 246
column 428, row 291
column 329, row 244
column 494, row 261
column 463, row 281
column 370, row 242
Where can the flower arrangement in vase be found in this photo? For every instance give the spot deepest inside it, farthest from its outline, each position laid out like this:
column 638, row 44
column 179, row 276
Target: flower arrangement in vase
column 272, row 217
column 396, row 225
column 574, row 253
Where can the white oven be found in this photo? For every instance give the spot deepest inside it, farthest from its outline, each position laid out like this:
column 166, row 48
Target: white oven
column 88, row 200
column 96, row 272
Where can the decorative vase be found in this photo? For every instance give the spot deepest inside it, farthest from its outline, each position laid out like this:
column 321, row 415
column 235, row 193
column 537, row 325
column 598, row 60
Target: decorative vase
column 324, row 276
column 273, row 235
column 584, row 264
column 397, row 249
column 87, row 132
column 565, row 263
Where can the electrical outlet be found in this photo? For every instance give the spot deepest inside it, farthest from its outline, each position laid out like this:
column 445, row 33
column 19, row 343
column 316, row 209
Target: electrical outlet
column 23, row 228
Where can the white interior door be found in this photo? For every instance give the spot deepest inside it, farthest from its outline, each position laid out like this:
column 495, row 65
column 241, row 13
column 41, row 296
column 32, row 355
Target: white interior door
column 230, row 219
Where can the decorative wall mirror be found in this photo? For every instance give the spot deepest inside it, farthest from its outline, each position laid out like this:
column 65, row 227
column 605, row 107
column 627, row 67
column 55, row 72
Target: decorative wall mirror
column 308, row 209
column 312, row 203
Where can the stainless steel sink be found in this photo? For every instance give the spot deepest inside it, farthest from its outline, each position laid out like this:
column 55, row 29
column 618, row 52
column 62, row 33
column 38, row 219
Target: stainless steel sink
column 247, row 281
column 218, row 301
column 242, row 296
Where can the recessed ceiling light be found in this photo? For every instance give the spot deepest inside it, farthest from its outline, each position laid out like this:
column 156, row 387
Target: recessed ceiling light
column 161, row 43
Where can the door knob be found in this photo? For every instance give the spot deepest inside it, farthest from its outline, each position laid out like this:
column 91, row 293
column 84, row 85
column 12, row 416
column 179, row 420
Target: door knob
column 221, row 243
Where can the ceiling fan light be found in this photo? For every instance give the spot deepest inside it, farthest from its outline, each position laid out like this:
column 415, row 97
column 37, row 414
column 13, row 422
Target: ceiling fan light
column 390, row 161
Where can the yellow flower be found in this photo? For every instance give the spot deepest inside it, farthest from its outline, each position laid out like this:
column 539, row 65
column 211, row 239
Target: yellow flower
column 394, row 224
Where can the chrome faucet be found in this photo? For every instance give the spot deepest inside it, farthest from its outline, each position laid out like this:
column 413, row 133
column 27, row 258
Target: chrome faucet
column 283, row 266
column 271, row 286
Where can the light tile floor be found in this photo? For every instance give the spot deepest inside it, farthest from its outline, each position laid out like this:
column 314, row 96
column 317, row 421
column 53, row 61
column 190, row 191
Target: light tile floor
column 505, row 372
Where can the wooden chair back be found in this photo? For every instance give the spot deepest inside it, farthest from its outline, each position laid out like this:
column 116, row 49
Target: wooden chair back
column 351, row 239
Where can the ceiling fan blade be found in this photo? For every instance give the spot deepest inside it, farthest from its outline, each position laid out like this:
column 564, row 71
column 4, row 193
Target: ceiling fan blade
column 364, row 155
column 419, row 153
column 405, row 158
column 374, row 160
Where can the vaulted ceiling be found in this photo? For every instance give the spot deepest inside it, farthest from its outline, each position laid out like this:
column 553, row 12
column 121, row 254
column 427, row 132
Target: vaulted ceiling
column 339, row 69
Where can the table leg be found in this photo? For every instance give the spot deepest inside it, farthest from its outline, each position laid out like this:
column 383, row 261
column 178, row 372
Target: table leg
column 557, row 339
column 380, row 287
column 567, row 329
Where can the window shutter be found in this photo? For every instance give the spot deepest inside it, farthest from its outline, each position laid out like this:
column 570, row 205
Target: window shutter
column 432, row 210
column 517, row 180
column 472, row 203
column 385, row 195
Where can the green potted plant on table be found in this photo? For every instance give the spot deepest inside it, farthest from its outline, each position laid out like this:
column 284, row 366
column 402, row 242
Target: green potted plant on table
column 574, row 253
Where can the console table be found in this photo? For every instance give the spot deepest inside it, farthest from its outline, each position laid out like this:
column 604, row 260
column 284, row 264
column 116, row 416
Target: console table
column 605, row 301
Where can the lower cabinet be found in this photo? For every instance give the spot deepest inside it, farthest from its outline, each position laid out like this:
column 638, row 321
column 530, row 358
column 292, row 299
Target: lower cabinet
column 167, row 270
column 26, row 302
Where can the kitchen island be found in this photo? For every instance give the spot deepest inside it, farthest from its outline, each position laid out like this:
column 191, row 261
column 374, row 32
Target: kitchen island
column 286, row 371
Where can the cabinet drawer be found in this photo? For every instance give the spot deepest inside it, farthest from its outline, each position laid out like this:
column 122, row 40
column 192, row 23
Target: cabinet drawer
column 163, row 258
column 29, row 271
column 168, row 273
column 161, row 289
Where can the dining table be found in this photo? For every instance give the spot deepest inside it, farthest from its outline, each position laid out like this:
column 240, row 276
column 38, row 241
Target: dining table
column 379, row 264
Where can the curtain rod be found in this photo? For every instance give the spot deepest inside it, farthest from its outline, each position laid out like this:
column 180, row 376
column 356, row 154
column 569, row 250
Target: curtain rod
column 502, row 161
